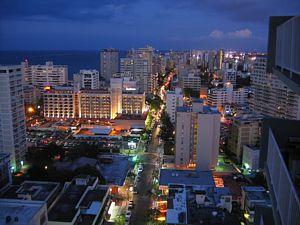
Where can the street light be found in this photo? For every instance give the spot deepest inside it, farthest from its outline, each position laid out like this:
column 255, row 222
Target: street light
column 30, row 109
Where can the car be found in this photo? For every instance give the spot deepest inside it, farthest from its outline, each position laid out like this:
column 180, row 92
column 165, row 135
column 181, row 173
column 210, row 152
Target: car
column 127, row 221
column 130, row 205
column 140, row 169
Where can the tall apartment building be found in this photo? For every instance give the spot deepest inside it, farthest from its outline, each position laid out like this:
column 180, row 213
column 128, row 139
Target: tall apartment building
column 5, row 171
column 116, row 86
column 280, row 159
column 138, row 65
column 59, row 102
column 218, row 97
column 197, row 136
column 43, row 75
column 87, row 79
column 173, row 99
column 219, row 59
column 12, row 115
column 276, row 79
column 245, row 130
column 229, row 76
column 191, row 81
column 109, row 63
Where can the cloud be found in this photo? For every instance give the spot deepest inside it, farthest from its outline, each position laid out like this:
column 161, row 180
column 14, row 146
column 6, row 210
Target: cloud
column 241, row 34
column 245, row 33
column 217, row 34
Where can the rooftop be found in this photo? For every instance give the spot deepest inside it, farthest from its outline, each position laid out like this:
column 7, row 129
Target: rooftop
column 187, row 177
column 177, row 205
column 65, row 209
column 115, row 172
column 18, row 210
column 33, row 190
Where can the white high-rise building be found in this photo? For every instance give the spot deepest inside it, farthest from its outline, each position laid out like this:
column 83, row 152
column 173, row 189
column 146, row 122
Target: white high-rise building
column 44, row 75
column 87, row 79
column 229, row 76
column 218, row 97
column 173, row 99
column 197, row 137
column 12, row 115
column 109, row 63
column 271, row 96
column 138, row 65
column 191, row 81
column 116, row 85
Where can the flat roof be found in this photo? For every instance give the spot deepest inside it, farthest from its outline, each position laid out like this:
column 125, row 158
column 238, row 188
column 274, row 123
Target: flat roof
column 101, row 130
column 64, row 209
column 187, row 177
column 115, row 172
column 23, row 210
column 177, row 206
column 37, row 190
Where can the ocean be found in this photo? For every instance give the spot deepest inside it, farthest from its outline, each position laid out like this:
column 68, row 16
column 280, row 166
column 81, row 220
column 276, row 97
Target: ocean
column 75, row 60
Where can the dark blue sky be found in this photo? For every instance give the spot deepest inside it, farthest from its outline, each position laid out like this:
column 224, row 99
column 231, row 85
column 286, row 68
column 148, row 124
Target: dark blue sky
column 164, row 24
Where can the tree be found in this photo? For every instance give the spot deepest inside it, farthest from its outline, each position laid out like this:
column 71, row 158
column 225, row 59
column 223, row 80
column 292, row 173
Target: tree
column 155, row 103
column 167, row 134
column 120, row 220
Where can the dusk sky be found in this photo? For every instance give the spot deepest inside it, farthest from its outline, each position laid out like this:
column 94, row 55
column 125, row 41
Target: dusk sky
column 163, row 24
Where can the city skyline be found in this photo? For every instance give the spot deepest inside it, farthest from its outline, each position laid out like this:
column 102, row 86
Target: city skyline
column 91, row 25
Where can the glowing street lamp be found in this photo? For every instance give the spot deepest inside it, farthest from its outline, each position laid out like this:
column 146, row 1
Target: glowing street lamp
column 30, row 109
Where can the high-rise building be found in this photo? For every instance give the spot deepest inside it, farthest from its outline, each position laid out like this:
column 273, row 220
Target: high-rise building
column 12, row 115
column 191, row 81
column 138, row 65
column 219, row 59
column 280, row 159
column 5, row 171
column 271, row 96
column 87, row 79
column 197, row 136
column 116, row 85
column 109, row 63
column 218, row 97
column 245, row 130
column 229, row 76
column 173, row 100
column 44, row 75
column 277, row 90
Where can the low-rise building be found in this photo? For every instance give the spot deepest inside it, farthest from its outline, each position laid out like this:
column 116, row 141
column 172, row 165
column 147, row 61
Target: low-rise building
column 82, row 201
column 252, row 196
column 21, row 212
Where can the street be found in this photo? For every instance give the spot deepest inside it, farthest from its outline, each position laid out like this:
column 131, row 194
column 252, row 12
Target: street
column 142, row 200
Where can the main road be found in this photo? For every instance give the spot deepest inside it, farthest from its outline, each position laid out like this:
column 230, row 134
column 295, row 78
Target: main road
column 142, row 200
